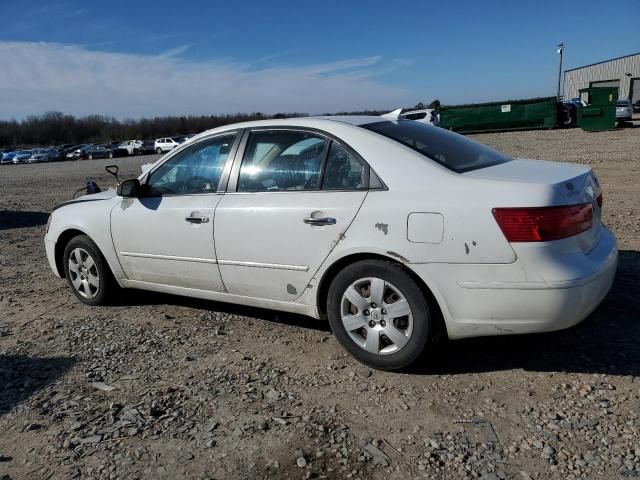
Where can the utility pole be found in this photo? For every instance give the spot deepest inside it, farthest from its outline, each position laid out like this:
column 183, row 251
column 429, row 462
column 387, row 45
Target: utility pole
column 560, row 49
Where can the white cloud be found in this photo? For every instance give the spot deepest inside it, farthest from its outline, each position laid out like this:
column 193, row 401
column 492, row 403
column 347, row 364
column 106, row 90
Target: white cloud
column 175, row 51
column 38, row 77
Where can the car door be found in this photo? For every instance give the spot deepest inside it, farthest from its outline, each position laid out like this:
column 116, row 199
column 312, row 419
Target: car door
column 290, row 200
column 166, row 236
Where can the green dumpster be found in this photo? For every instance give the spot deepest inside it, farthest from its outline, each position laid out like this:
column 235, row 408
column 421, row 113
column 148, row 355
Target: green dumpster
column 600, row 112
column 527, row 114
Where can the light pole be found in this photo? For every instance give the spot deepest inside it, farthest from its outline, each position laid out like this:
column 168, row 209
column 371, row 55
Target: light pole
column 560, row 49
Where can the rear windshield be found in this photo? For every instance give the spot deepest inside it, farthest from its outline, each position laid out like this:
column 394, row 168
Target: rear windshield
column 451, row 150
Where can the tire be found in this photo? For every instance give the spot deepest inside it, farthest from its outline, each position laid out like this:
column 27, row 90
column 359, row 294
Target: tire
column 158, row 150
column 83, row 263
column 90, row 157
column 408, row 334
column 110, row 155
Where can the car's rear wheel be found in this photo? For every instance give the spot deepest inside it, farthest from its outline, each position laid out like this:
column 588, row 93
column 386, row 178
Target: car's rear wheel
column 87, row 272
column 158, row 150
column 90, row 157
column 110, row 154
column 379, row 314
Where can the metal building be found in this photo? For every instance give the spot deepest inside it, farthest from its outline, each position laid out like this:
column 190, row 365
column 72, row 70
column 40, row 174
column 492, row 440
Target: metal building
column 621, row 72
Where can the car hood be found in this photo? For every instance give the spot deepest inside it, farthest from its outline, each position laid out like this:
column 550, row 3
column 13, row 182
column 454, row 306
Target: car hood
column 105, row 195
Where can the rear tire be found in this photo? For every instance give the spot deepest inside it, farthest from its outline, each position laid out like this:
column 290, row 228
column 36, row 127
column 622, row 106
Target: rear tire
column 158, row 150
column 87, row 272
column 379, row 314
column 90, row 157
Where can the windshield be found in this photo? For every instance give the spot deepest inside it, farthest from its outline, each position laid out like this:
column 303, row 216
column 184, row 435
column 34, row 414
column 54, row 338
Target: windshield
column 451, row 150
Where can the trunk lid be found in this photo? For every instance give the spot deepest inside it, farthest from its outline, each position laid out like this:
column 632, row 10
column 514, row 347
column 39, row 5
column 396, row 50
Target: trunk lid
column 568, row 184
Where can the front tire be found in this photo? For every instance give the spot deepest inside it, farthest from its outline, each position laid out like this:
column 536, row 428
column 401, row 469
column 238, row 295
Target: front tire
column 379, row 314
column 158, row 150
column 87, row 272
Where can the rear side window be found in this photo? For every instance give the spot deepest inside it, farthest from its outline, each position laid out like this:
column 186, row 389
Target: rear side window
column 280, row 160
column 343, row 170
column 451, row 150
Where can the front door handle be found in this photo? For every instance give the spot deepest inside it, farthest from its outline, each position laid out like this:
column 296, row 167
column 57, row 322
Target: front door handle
column 197, row 219
column 320, row 221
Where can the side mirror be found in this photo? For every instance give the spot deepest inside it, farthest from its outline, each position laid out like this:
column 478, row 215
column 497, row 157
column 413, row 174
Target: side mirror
column 129, row 188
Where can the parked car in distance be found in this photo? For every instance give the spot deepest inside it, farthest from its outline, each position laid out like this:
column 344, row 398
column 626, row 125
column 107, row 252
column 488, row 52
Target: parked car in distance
column 424, row 115
column 403, row 232
column 55, row 154
column 163, row 145
column 132, row 147
column 38, row 155
column 183, row 138
column 148, row 146
column 7, row 157
column 98, row 151
column 569, row 112
column 21, row 156
column 624, row 110
column 64, row 152
column 79, row 152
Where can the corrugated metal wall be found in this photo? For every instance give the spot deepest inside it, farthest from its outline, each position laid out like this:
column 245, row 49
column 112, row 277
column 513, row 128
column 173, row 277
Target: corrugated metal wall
column 605, row 71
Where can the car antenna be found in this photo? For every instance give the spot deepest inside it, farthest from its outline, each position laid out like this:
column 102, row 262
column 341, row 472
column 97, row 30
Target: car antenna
column 113, row 170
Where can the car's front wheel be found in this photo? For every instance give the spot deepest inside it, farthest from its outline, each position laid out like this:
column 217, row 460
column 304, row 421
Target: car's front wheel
column 379, row 314
column 87, row 272
column 158, row 150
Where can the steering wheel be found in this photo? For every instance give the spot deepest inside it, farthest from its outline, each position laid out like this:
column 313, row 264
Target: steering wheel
column 197, row 184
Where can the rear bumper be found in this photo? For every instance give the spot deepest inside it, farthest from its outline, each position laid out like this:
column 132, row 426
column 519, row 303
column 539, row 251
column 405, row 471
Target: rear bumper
column 499, row 299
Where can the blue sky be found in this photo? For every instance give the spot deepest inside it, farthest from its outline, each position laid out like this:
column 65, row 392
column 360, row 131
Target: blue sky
column 140, row 58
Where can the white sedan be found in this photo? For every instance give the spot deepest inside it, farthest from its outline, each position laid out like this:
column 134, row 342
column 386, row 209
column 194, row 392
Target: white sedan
column 396, row 231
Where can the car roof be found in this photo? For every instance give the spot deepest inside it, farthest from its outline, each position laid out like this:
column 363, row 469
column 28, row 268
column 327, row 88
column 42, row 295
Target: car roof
column 309, row 122
column 357, row 120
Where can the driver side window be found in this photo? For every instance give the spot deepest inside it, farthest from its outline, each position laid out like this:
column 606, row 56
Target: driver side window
column 196, row 169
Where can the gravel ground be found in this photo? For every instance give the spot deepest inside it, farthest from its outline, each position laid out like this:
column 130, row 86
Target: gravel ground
column 167, row 387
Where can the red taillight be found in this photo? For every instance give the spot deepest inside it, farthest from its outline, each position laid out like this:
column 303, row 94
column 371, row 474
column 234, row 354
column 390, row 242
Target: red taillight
column 600, row 200
column 541, row 224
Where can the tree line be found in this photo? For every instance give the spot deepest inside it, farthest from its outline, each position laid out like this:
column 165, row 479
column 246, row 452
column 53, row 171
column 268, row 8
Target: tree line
column 56, row 128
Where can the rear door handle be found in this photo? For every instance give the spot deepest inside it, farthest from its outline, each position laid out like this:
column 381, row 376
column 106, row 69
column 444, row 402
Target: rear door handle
column 197, row 219
column 320, row 221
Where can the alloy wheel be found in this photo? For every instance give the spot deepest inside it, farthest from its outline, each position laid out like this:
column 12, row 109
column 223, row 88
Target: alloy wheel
column 376, row 316
column 83, row 273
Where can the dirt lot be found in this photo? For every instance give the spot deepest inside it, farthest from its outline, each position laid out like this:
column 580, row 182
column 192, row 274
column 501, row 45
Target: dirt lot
column 167, row 387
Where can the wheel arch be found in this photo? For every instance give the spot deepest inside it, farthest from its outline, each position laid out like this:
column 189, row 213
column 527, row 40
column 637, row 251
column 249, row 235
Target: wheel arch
column 61, row 243
column 332, row 271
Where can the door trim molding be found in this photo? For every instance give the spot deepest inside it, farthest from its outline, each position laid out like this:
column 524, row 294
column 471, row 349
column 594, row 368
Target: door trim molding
column 274, row 266
column 168, row 257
